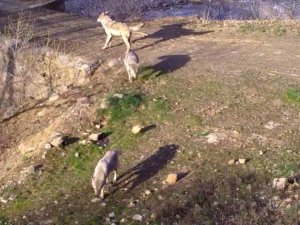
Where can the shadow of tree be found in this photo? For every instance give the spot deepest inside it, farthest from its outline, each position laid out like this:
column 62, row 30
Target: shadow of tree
column 147, row 168
column 171, row 31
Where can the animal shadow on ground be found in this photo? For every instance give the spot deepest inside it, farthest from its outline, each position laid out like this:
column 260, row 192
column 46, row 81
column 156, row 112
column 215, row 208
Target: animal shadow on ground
column 169, row 32
column 147, row 168
column 70, row 140
column 167, row 64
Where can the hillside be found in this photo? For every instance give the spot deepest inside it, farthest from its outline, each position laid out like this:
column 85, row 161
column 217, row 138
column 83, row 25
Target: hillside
column 209, row 93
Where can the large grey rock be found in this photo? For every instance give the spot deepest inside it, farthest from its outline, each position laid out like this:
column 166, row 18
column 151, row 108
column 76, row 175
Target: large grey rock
column 280, row 183
column 95, row 137
column 137, row 217
column 57, row 141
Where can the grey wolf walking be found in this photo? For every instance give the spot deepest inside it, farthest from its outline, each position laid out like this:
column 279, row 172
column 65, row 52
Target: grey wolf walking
column 131, row 62
column 114, row 28
column 109, row 163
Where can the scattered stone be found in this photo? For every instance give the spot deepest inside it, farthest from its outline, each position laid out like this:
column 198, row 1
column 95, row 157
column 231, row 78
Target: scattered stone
column 261, row 153
column 280, row 183
column 123, row 220
column 231, row 161
column 172, row 178
column 147, row 192
column 41, row 113
column 104, row 104
column 132, row 203
column 62, row 154
column 47, row 222
column 53, row 97
column 235, row 132
column 136, row 129
column 77, row 155
column 137, row 217
column 117, row 95
column 242, row 161
column 271, row 125
column 98, row 126
column 212, row 138
column 153, row 216
column 111, row 215
column 83, row 100
column 107, row 219
column 94, row 200
column 29, row 170
column 83, row 142
column 113, row 62
column 57, row 141
column 48, row 146
column 94, row 137
column 2, row 200
column 25, row 150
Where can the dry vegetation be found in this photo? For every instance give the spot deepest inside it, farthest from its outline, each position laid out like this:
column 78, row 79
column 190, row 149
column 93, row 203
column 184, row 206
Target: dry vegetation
column 34, row 68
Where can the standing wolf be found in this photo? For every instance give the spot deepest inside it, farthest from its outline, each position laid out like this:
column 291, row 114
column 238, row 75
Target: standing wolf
column 106, row 165
column 131, row 62
column 114, row 28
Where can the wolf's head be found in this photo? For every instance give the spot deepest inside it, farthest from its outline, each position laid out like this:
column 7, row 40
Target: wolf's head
column 103, row 17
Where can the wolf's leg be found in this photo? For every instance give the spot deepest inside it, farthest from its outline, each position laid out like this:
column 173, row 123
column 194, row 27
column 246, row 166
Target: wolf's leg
column 132, row 73
column 127, row 43
column 115, row 175
column 102, row 192
column 108, row 40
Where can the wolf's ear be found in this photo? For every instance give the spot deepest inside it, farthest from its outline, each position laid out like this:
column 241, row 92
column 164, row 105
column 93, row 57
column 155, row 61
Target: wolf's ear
column 105, row 13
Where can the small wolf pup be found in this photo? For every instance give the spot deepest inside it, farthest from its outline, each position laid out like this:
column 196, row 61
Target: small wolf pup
column 131, row 62
column 114, row 28
column 109, row 163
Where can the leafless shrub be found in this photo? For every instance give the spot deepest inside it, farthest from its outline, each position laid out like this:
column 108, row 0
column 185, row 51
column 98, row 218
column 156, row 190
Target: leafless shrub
column 34, row 67
column 119, row 9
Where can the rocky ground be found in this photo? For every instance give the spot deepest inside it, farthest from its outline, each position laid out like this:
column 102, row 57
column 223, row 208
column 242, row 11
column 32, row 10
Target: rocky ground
column 219, row 106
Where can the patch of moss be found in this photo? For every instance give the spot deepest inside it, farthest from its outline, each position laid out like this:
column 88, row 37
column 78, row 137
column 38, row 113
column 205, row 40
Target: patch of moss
column 293, row 95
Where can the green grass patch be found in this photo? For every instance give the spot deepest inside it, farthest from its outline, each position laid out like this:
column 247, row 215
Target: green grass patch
column 86, row 153
column 132, row 109
column 63, row 175
column 292, row 95
column 121, row 108
column 4, row 221
column 287, row 169
column 277, row 29
column 252, row 27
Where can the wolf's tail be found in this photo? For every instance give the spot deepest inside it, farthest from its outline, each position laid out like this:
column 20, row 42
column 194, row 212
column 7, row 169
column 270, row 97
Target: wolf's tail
column 136, row 27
